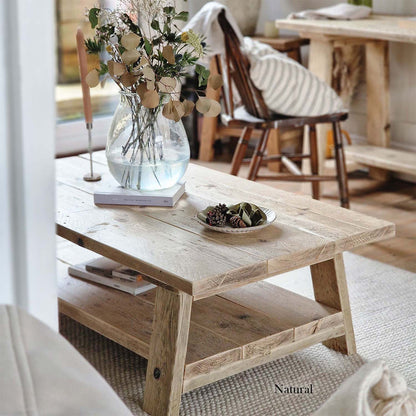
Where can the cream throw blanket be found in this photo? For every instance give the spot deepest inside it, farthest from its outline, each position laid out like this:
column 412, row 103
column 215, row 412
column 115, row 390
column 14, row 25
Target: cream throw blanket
column 205, row 22
column 374, row 390
column 288, row 88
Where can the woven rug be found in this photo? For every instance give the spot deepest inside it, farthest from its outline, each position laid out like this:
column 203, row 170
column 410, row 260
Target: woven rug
column 383, row 302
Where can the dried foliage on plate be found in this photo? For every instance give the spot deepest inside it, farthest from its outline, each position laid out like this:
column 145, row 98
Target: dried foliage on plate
column 241, row 215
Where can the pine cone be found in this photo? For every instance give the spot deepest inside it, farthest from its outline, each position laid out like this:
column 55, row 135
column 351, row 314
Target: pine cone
column 216, row 217
column 237, row 222
column 222, row 207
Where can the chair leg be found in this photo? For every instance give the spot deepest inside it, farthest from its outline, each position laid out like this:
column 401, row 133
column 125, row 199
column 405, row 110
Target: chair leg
column 258, row 156
column 240, row 151
column 341, row 167
column 295, row 54
column 314, row 161
column 273, row 148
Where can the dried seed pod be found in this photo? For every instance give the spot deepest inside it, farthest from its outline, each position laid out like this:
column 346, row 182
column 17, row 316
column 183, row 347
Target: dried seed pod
column 237, row 222
column 216, row 217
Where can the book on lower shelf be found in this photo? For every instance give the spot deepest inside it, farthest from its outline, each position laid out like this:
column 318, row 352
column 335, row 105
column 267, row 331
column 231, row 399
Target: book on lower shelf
column 110, row 273
column 111, row 194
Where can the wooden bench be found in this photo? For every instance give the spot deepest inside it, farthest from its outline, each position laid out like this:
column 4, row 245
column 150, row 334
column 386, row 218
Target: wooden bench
column 384, row 158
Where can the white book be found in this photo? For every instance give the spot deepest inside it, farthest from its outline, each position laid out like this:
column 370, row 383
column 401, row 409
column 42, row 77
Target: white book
column 126, row 273
column 109, row 268
column 121, row 196
column 134, row 288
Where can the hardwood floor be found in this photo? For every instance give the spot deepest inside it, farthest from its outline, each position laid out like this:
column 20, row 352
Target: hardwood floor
column 394, row 201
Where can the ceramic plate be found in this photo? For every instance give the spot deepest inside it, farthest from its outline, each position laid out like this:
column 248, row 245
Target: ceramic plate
column 270, row 214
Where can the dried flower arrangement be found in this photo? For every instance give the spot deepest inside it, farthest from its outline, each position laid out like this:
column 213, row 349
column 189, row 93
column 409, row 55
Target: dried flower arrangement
column 149, row 55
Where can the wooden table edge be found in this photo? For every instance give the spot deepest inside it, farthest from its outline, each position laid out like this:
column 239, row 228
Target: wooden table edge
column 245, row 364
column 382, row 233
column 295, row 25
column 203, row 288
column 171, row 281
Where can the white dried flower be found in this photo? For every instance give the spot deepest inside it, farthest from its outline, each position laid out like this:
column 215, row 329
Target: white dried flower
column 193, row 39
column 145, row 9
column 113, row 39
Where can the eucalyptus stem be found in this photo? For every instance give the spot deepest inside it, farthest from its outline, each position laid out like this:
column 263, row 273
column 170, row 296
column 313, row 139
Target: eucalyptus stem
column 139, row 180
column 141, row 140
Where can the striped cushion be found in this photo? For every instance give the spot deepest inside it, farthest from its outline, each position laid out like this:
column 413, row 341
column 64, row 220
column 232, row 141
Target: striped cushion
column 289, row 88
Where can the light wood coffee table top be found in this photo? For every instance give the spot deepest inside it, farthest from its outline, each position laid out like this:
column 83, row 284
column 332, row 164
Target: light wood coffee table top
column 170, row 245
column 211, row 315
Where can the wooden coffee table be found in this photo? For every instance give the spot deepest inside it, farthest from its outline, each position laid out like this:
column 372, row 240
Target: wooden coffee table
column 212, row 315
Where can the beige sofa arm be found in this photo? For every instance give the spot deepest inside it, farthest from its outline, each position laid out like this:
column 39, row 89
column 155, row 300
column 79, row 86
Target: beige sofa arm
column 41, row 374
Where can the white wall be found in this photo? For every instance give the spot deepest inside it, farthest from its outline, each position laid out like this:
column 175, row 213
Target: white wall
column 27, row 126
column 6, row 287
column 281, row 8
column 274, row 9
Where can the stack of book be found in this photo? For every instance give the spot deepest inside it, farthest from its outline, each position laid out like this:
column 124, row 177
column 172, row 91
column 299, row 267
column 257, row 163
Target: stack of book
column 111, row 194
column 110, row 273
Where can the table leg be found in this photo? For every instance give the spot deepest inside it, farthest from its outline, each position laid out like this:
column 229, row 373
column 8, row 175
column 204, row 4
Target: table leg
column 321, row 61
column 378, row 99
column 168, row 345
column 330, row 287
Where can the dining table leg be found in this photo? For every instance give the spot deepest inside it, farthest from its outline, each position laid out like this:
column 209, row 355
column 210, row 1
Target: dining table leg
column 168, row 346
column 321, row 61
column 378, row 99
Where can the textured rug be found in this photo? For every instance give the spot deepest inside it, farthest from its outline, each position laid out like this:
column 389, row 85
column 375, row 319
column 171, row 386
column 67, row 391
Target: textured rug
column 383, row 301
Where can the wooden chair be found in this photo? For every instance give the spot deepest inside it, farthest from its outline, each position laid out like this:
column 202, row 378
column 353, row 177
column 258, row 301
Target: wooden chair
column 212, row 129
column 237, row 72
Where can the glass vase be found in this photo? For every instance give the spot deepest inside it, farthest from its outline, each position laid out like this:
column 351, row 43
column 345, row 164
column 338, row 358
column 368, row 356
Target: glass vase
column 145, row 151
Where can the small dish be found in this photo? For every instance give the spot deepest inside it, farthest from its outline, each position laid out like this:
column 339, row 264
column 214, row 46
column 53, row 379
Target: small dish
column 270, row 214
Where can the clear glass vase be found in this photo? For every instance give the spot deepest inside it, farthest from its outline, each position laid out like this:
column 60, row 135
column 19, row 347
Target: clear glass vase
column 145, row 151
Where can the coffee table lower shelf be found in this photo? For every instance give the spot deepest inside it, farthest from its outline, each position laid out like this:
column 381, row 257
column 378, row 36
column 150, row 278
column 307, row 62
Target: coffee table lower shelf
column 229, row 333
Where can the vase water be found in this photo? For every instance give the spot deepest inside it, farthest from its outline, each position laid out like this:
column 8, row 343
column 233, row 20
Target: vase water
column 145, row 150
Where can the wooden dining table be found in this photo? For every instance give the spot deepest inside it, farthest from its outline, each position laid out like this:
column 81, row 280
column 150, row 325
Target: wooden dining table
column 374, row 33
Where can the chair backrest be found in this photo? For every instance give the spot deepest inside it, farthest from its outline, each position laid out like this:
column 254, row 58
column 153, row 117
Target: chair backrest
column 238, row 71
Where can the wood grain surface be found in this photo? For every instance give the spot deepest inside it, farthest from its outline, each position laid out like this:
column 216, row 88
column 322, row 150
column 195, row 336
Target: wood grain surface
column 169, row 245
column 330, row 288
column 383, row 27
column 384, row 158
column 165, row 367
column 227, row 334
